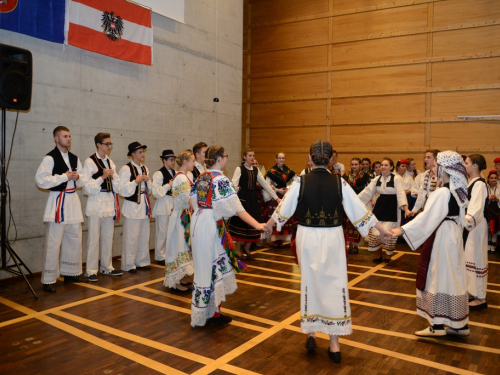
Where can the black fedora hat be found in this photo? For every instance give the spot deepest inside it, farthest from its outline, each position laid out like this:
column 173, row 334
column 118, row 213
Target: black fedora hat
column 134, row 146
column 167, row 154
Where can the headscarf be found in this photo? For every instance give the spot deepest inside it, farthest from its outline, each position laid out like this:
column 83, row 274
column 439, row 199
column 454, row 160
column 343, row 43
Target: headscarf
column 453, row 164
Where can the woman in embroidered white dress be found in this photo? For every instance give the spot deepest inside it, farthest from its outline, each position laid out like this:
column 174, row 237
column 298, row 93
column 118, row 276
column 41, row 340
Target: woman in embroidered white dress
column 179, row 259
column 321, row 249
column 215, row 200
column 441, row 277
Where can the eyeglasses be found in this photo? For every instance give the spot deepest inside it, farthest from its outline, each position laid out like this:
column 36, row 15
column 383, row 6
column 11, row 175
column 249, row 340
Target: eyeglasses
column 107, row 144
column 281, row 158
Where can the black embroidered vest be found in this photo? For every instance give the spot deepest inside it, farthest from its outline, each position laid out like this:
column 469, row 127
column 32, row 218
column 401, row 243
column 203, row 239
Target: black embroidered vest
column 248, row 178
column 196, row 173
column 167, row 177
column 60, row 166
column 453, row 208
column 107, row 184
column 136, row 197
column 469, row 194
column 320, row 199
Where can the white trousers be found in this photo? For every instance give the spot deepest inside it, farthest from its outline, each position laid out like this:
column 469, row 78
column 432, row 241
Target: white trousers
column 135, row 250
column 101, row 229
column 62, row 251
column 161, row 236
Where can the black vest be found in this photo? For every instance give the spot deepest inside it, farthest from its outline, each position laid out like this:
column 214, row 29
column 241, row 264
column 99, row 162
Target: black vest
column 196, row 173
column 469, row 193
column 320, row 199
column 136, row 197
column 60, row 166
column 386, row 208
column 167, row 177
column 248, row 178
column 107, row 184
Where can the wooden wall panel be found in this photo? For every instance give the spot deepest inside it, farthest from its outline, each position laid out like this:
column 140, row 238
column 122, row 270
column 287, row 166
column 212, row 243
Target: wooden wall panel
column 383, row 136
column 287, row 140
column 377, row 108
column 455, row 12
column 467, row 135
column 370, row 24
column 244, row 89
column 274, row 10
column 376, row 77
column 288, row 87
column 476, row 41
column 466, row 103
column 308, row 112
column 290, row 59
column 380, row 50
column 300, row 34
column 466, row 72
column 378, row 80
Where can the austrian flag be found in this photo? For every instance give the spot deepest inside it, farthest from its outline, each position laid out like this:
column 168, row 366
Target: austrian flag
column 115, row 28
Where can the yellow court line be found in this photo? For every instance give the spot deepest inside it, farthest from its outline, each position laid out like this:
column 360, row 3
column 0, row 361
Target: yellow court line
column 383, row 292
column 269, row 286
column 232, row 312
column 370, row 272
column 485, row 349
column 392, row 277
column 246, row 346
column 237, row 370
column 276, row 261
column 267, row 277
column 490, row 261
column 145, row 361
column 358, row 265
column 273, row 270
column 396, row 271
column 280, row 255
column 393, row 354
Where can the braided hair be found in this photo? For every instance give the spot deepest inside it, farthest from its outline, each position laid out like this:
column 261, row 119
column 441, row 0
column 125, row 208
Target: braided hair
column 184, row 155
column 212, row 154
column 321, row 152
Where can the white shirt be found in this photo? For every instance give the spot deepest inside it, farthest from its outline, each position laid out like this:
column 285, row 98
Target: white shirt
column 127, row 188
column 164, row 203
column 339, row 167
column 72, row 207
column 260, row 180
column 99, row 203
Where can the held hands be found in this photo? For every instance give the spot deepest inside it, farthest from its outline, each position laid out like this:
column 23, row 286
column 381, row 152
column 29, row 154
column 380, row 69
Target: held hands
column 268, row 228
column 385, row 236
column 263, row 228
column 408, row 213
column 141, row 178
column 396, row 232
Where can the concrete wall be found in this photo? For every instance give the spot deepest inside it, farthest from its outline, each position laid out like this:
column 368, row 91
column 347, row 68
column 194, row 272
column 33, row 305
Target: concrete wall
column 168, row 105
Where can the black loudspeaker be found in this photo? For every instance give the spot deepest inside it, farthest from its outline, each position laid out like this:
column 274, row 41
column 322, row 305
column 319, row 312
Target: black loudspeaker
column 16, row 72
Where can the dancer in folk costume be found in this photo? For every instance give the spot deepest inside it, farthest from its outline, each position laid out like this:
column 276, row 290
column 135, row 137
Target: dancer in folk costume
column 199, row 150
column 179, row 258
column 162, row 190
column 442, row 296
column 388, row 208
column 61, row 172
column 215, row 200
column 317, row 199
column 103, row 207
column 358, row 180
column 476, row 233
column 135, row 187
column 279, row 177
column 429, row 182
column 366, row 165
column 493, row 210
column 245, row 180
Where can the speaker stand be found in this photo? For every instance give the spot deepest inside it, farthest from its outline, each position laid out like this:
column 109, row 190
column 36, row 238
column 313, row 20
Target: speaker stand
column 18, row 263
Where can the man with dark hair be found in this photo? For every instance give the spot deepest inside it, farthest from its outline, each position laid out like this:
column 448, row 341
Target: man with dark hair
column 429, row 182
column 61, row 173
column 199, row 150
column 135, row 187
column 103, row 207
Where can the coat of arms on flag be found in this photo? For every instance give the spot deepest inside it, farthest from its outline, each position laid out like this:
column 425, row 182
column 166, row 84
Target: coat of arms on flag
column 112, row 26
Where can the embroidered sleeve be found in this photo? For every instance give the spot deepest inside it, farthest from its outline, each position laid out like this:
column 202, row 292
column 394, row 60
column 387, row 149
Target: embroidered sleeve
column 225, row 201
column 287, row 206
column 356, row 211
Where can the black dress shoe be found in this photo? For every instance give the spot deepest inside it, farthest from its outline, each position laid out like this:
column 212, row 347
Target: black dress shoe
column 481, row 306
column 176, row 290
column 335, row 356
column 221, row 320
column 187, row 283
column 378, row 260
column 143, row 268
column 49, row 288
column 161, row 262
column 311, row 343
column 75, row 279
column 471, row 298
column 133, row 270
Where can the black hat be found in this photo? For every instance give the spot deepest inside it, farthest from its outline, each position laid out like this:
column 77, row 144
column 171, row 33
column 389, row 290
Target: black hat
column 167, row 154
column 134, row 146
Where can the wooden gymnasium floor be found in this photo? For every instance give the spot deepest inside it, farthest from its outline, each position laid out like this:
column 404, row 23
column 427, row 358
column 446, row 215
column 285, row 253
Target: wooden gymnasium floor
column 133, row 325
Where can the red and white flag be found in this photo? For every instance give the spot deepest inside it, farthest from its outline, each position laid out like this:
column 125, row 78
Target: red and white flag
column 115, row 28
